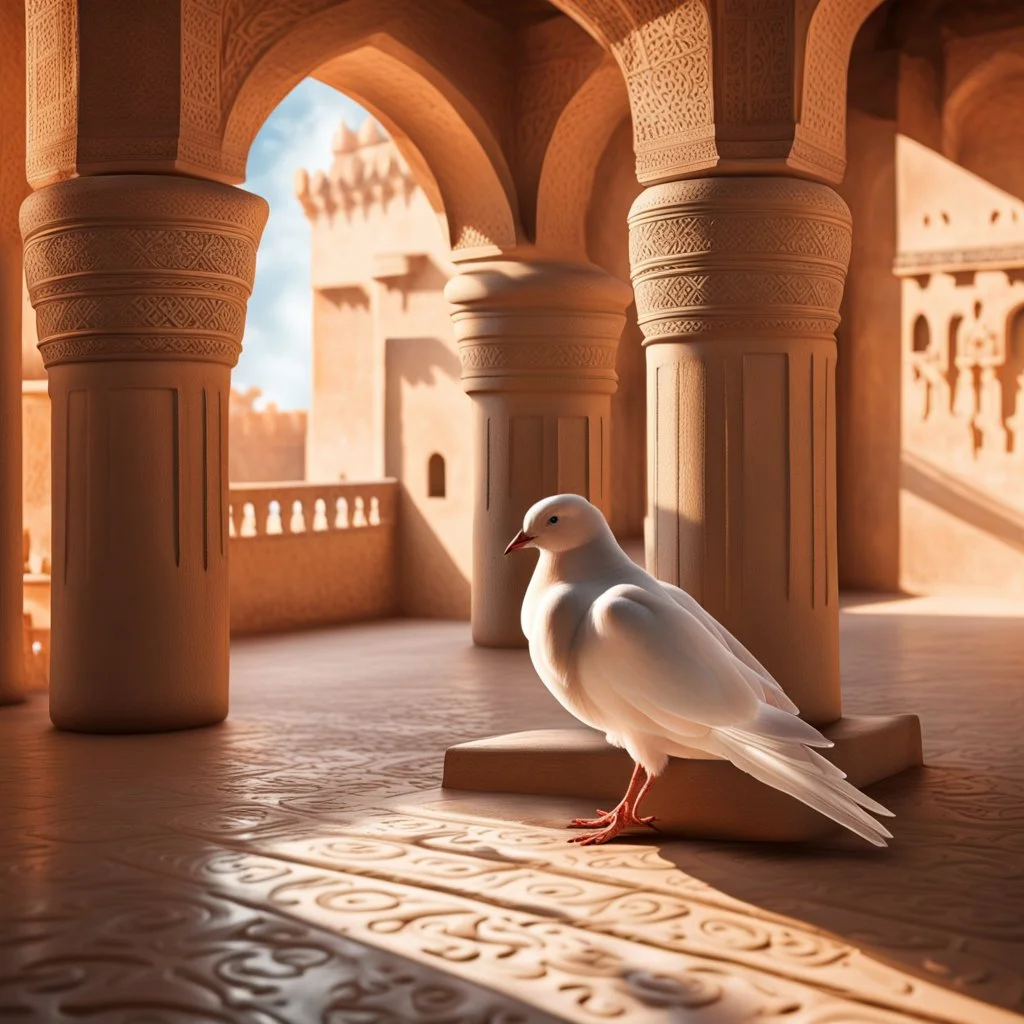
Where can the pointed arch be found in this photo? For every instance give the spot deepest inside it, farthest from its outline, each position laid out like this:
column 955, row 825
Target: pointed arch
column 447, row 141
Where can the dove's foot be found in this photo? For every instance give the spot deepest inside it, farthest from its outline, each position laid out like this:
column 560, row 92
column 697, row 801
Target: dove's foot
column 614, row 823
column 606, row 818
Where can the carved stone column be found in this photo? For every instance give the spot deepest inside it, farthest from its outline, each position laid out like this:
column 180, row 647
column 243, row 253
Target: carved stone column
column 538, row 342
column 140, row 284
column 738, row 283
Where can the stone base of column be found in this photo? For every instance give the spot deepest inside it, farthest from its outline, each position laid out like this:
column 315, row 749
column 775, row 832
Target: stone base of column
column 698, row 799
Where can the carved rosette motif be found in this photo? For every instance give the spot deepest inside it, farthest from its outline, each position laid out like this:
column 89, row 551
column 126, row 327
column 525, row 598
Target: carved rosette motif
column 537, row 326
column 724, row 255
column 141, row 267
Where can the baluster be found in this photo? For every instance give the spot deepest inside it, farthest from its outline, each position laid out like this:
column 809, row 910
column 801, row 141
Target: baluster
column 319, row 515
column 231, row 521
column 249, row 520
column 274, row 526
column 298, row 520
column 375, row 512
column 341, row 516
column 359, row 516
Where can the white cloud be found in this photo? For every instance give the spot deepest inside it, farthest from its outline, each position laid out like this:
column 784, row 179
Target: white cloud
column 277, row 350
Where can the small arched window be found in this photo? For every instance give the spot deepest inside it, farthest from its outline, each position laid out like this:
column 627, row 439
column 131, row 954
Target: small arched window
column 922, row 335
column 435, row 476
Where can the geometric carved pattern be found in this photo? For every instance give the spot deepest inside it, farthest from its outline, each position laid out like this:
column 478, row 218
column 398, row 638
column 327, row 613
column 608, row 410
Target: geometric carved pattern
column 51, row 84
column 772, row 251
column 506, row 355
column 140, row 264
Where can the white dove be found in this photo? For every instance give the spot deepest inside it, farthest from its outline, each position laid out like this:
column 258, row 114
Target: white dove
column 644, row 663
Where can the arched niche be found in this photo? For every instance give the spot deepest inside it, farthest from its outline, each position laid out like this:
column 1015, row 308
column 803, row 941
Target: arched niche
column 921, row 334
column 1011, row 373
column 436, row 478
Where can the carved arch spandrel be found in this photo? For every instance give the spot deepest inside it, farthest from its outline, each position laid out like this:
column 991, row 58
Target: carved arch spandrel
column 664, row 49
column 819, row 144
column 579, row 140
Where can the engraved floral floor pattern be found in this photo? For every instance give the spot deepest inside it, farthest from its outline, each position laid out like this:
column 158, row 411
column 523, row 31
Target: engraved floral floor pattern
column 293, row 865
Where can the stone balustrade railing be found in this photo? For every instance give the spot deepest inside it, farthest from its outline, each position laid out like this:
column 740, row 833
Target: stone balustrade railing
column 312, row 554
column 277, row 509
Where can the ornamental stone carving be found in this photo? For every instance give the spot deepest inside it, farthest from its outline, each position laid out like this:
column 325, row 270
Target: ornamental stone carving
column 141, row 266
column 726, row 254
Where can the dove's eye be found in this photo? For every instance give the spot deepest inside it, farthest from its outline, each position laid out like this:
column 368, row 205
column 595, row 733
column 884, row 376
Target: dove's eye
column 553, row 520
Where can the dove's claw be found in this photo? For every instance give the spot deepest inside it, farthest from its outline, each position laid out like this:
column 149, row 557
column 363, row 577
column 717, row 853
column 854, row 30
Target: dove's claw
column 611, row 824
column 606, row 818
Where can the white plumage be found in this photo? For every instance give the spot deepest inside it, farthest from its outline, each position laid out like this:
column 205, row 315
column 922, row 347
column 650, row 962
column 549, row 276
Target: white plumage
column 644, row 663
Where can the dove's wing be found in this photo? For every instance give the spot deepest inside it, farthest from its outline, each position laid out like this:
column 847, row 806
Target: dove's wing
column 766, row 684
column 644, row 657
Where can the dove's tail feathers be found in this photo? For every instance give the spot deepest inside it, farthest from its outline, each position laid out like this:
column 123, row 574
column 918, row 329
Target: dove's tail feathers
column 782, row 725
column 766, row 688
column 802, row 774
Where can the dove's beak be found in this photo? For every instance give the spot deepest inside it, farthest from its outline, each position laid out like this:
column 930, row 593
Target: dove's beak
column 520, row 540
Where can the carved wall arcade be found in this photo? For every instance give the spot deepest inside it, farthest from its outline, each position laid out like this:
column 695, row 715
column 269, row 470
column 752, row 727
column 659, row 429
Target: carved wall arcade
column 932, row 477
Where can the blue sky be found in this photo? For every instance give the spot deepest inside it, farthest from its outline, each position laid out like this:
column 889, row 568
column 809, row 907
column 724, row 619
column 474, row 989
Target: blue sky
column 276, row 349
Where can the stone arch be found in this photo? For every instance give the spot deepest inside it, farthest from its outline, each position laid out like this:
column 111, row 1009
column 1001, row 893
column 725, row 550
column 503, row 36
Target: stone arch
column 974, row 89
column 574, row 151
column 444, row 137
column 820, row 134
column 974, row 120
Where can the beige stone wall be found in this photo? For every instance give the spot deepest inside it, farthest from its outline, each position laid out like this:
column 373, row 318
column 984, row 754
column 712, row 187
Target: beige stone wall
column 264, row 443
column 931, row 400
column 35, row 420
column 306, row 556
column 386, row 395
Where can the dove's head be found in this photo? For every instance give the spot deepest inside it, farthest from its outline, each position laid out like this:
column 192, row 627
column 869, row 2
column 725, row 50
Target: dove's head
column 560, row 523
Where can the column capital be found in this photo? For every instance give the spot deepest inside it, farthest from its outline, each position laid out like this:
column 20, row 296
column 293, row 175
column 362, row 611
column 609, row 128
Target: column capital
column 141, row 267
column 535, row 325
column 713, row 257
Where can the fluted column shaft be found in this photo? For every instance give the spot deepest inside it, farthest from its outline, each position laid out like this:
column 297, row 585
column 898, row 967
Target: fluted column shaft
column 738, row 283
column 537, row 342
column 140, row 284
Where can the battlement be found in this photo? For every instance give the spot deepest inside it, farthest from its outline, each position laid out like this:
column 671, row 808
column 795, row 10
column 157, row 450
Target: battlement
column 367, row 171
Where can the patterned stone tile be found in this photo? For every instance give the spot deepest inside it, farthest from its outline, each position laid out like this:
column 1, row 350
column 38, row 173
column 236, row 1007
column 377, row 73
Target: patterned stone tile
column 298, row 865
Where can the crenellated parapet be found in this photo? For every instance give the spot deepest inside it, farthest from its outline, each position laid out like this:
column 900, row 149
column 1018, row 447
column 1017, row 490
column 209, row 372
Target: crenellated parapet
column 367, row 172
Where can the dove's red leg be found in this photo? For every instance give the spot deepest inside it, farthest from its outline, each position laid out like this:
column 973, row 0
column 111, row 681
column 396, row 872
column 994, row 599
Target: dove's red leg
column 623, row 816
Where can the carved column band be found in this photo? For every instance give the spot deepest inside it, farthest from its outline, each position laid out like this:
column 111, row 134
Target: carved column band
column 538, row 343
column 140, row 284
column 738, row 283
